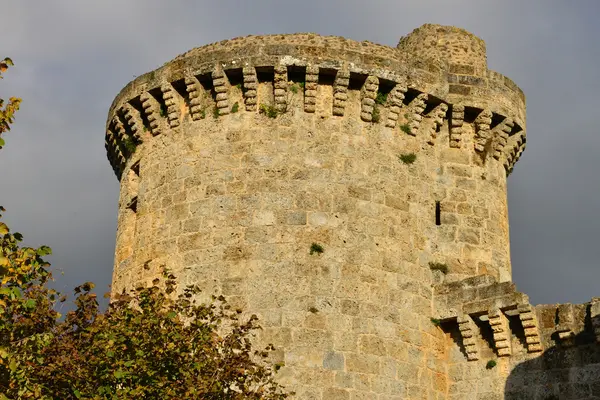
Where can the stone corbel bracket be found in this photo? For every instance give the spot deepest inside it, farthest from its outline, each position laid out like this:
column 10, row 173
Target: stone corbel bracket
column 469, row 331
column 531, row 327
column 501, row 332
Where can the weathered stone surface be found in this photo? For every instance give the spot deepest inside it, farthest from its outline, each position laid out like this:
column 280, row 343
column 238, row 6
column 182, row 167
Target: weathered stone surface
column 239, row 157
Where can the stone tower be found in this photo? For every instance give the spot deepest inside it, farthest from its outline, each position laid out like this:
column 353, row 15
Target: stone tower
column 239, row 159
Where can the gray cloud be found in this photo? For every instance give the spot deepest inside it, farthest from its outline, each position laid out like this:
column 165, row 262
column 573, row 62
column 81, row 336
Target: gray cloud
column 73, row 57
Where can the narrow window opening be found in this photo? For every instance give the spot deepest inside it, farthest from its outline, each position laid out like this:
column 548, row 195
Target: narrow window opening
column 438, row 213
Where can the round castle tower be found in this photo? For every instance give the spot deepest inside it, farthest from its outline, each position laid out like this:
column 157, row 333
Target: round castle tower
column 241, row 159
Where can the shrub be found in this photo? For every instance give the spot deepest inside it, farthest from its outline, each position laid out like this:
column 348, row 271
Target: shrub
column 436, row 321
column 406, row 129
column 408, row 158
column 163, row 110
column 129, row 145
column 381, row 98
column 235, row 107
column 490, row 364
column 269, row 111
column 294, row 88
column 375, row 115
column 316, row 248
column 436, row 266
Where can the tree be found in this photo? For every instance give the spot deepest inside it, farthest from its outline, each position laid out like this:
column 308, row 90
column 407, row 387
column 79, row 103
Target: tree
column 153, row 342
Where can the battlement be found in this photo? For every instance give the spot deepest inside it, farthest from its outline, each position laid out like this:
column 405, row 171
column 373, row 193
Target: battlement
column 489, row 320
column 268, row 71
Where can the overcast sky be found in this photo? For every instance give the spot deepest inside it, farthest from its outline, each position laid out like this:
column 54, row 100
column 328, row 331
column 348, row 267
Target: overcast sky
column 72, row 57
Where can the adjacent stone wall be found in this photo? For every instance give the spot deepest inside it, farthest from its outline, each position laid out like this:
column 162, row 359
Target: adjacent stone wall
column 235, row 158
column 504, row 348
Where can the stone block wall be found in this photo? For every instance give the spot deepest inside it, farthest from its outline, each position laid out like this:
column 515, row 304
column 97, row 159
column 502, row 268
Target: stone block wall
column 504, row 348
column 237, row 157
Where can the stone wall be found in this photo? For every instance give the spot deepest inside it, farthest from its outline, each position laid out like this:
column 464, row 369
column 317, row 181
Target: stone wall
column 238, row 158
column 504, row 348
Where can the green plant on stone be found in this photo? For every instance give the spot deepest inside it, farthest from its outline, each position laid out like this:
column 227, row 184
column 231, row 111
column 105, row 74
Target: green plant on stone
column 406, row 129
column 203, row 113
column 381, row 98
column 294, row 88
column 239, row 86
column 163, row 110
column 302, row 84
column 316, row 248
column 436, row 266
column 269, row 111
column 408, row 158
column 235, row 108
column 375, row 114
column 216, row 112
column 129, row 145
column 436, row 321
column 490, row 364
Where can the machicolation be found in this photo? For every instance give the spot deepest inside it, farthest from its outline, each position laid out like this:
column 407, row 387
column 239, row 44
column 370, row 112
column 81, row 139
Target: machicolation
column 237, row 159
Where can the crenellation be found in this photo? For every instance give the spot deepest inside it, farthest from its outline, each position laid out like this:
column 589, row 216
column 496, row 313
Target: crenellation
column 280, row 88
column 501, row 332
column 250, row 88
column 468, row 331
column 415, row 114
column 566, row 324
column 151, row 108
column 458, row 118
column 482, row 130
column 134, row 121
column 196, row 95
column 438, row 115
column 501, row 132
column 310, row 88
column 368, row 95
column 340, row 92
column 221, row 88
column 172, row 103
column 396, row 101
column 531, row 327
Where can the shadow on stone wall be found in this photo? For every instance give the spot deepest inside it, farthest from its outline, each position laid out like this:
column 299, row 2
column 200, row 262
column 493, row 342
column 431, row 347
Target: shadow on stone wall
column 569, row 370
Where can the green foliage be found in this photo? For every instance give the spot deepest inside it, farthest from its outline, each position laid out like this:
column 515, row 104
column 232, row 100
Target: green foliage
column 406, row 129
column 294, row 88
column 436, row 266
column 269, row 111
column 154, row 342
column 235, row 108
column 163, row 111
column 7, row 112
column 302, row 84
column 490, row 364
column 408, row 158
column 316, row 248
column 216, row 112
column 375, row 114
column 436, row 321
column 203, row 113
column 239, row 86
column 381, row 98
column 129, row 145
